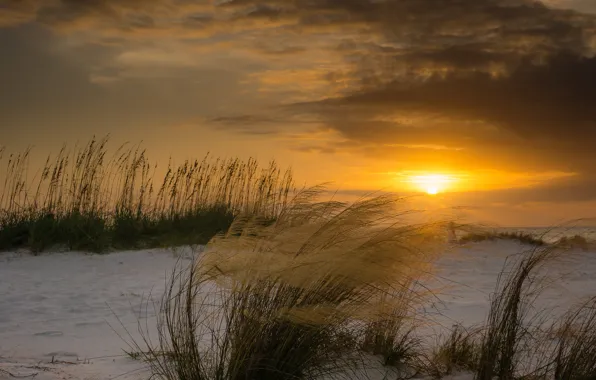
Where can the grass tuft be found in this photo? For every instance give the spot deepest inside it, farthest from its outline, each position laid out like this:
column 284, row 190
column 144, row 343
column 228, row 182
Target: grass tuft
column 289, row 299
column 508, row 331
column 459, row 351
column 391, row 331
column 574, row 356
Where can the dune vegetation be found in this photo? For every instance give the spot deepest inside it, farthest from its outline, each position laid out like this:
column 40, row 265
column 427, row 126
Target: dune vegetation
column 93, row 198
column 564, row 242
column 288, row 286
column 478, row 236
column 334, row 290
column 303, row 297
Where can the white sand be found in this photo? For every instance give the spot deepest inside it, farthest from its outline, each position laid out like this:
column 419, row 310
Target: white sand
column 61, row 306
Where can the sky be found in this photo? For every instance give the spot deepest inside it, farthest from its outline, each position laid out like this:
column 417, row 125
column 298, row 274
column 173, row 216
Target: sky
column 488, row 102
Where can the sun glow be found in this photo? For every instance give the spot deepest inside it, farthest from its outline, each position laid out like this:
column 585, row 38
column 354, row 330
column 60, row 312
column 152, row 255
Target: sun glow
column 432, row 184
column 432, row 190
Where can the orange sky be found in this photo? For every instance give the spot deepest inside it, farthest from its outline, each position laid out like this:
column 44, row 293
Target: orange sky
column 493, row 99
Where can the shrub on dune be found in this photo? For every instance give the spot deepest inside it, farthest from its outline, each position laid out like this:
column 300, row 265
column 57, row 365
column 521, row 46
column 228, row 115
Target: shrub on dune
column 478, row 236
column 574, row 242
column 288, row 299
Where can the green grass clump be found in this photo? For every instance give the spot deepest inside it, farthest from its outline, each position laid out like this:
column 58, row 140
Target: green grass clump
column 84, row 232
column 198, row 227
column 85, row 199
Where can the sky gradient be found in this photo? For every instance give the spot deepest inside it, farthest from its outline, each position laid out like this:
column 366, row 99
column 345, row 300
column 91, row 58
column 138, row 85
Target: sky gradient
column 499, row 96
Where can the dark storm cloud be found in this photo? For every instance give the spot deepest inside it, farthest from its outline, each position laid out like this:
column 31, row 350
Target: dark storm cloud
column 125, row 16
column 493, row 74
column 513, row 79
column 518, row 66
column 428, row 29
column 552, row 101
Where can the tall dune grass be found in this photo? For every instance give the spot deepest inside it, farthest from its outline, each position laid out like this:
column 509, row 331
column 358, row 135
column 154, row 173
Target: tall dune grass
column 511, row 317
column 323, row 290
column 574, row 354
column 292, row 299
column 327, row 286
column 90, row 199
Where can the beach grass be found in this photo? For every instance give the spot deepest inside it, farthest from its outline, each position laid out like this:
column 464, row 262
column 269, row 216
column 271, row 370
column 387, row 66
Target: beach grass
column 96, row 198
column 309, row 295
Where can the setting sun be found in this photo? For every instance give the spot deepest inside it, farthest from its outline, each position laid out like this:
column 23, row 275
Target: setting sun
column 432, row 184
column 432, row 190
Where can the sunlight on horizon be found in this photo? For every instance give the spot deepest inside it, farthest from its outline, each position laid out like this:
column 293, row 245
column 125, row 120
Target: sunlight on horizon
column 432, row 184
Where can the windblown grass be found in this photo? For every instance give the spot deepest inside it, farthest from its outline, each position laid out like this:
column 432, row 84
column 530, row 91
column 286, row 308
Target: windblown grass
column 326, row 285
column 513, row 325
column 291, row 299
column 574, row 352
column 86, row 200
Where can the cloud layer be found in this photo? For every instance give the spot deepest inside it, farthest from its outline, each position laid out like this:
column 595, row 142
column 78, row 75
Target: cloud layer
column 468, row 84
